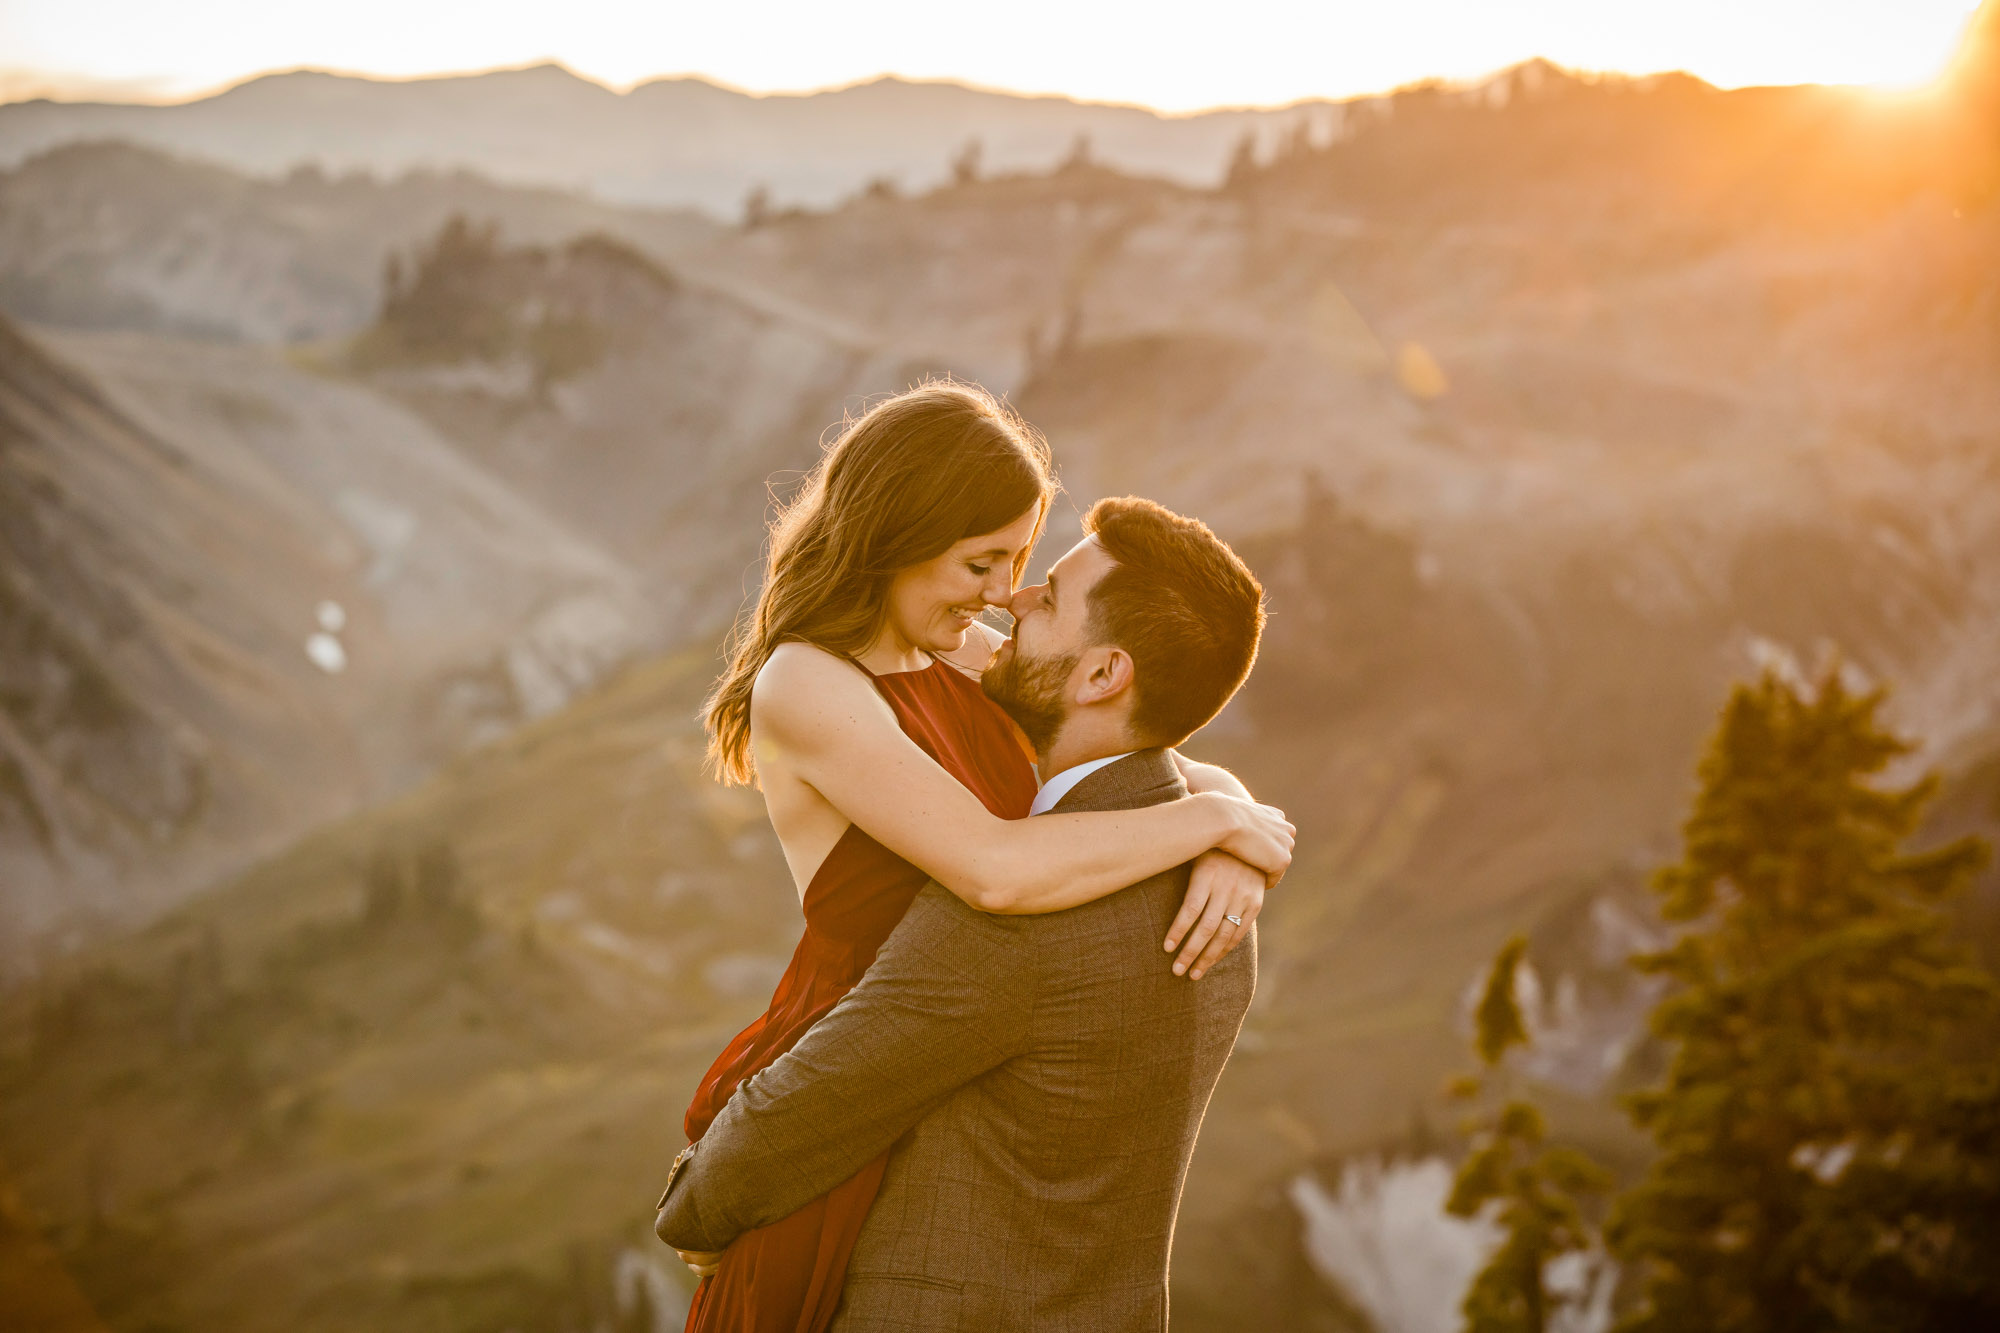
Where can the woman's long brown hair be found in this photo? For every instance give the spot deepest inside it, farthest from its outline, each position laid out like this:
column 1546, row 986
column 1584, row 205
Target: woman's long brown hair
column 912, row 476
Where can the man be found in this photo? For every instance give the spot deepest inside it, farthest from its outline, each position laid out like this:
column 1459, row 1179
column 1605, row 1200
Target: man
column 1046, row 1074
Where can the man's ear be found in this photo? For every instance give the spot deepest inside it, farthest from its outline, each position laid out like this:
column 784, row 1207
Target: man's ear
column 1108, row 673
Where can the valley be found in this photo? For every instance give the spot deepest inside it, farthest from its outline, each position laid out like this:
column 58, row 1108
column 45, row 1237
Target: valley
column 375, row 993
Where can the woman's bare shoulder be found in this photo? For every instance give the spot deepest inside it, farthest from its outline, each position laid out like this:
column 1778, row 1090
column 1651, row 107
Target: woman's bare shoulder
column 797, row 682
column 795, row 667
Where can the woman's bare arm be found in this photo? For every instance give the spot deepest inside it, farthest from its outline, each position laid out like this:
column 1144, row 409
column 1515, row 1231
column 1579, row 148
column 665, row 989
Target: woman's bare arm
column 1202, row 777
column 823, row 721
column 1225, row 895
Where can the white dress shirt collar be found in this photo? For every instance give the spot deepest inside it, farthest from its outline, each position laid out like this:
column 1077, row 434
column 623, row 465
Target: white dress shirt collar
column 1060, row 785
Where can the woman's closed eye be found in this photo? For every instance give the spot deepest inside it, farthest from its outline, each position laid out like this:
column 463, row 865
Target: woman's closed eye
column 981, row 570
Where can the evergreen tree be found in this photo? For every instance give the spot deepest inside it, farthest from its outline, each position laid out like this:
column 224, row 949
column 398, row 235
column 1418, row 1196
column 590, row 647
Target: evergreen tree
column 445, row 303
column 1298, row 142
column 1242, row 163
column 1827, row 1155
column 965, row 166
column 1536, row 1188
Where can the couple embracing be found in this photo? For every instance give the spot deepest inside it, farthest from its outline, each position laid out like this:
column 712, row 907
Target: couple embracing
column 973, row 1098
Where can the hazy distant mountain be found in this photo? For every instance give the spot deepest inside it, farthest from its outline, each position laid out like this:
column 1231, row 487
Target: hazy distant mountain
column 671, row 142
column 107, row 235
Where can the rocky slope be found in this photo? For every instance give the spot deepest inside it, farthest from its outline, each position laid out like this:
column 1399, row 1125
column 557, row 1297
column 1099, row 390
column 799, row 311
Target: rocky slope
column 646, row 407
column 537, row 460
column 239, row 599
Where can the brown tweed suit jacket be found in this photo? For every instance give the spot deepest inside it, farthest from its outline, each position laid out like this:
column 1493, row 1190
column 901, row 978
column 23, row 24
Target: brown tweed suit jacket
column 1042, row 1079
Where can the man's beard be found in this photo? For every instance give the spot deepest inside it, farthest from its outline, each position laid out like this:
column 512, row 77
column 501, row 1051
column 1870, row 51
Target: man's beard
column 1030, row 690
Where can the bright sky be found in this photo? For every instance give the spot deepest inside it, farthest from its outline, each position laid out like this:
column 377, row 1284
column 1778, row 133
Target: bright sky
column 1164, row 53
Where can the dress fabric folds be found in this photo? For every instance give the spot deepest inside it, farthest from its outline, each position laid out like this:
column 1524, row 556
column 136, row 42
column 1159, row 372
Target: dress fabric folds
column 786, row 1277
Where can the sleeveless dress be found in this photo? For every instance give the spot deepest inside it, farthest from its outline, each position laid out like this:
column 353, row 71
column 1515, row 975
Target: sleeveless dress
column 786, row 1277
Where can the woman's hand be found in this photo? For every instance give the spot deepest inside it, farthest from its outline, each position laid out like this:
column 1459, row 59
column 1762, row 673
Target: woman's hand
column 1220, row 888
column 1261, row 835
column 703, row 1262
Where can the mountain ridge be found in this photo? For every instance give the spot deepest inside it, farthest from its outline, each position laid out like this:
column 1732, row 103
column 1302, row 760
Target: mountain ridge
column 113, row 235
column 649, row 85
column 673, row 141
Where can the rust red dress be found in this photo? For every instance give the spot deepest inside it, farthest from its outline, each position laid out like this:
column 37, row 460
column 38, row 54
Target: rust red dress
column 786, row 1277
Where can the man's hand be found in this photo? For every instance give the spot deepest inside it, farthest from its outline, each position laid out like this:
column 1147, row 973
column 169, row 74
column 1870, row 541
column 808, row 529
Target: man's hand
column 1220, row 887
column 703, row 1262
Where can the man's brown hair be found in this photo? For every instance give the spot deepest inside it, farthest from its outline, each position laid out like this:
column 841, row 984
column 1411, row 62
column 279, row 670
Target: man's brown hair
column 1184, row 607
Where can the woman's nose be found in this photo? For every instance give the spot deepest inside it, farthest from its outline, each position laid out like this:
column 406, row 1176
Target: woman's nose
column 999, row 590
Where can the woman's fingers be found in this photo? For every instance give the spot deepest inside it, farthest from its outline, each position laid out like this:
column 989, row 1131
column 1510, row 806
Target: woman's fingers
column 1229, row 934
column 1191, row 905
column 1199, row 938
column 1220, row 886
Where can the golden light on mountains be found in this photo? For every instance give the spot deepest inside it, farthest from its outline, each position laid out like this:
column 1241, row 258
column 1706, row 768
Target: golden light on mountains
column 382, row 463
column 1177, row 57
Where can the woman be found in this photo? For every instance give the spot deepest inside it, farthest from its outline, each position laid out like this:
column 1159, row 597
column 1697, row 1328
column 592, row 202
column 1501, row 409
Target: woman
column 851, row 698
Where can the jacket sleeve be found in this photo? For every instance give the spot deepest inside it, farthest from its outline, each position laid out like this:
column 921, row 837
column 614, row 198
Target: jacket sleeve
column 948, row 998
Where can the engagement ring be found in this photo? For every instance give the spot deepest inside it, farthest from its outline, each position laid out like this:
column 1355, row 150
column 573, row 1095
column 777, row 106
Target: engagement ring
column 1232, row 918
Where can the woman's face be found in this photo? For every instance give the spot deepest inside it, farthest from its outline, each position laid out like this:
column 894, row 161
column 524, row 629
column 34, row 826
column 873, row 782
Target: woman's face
column 933, row 605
